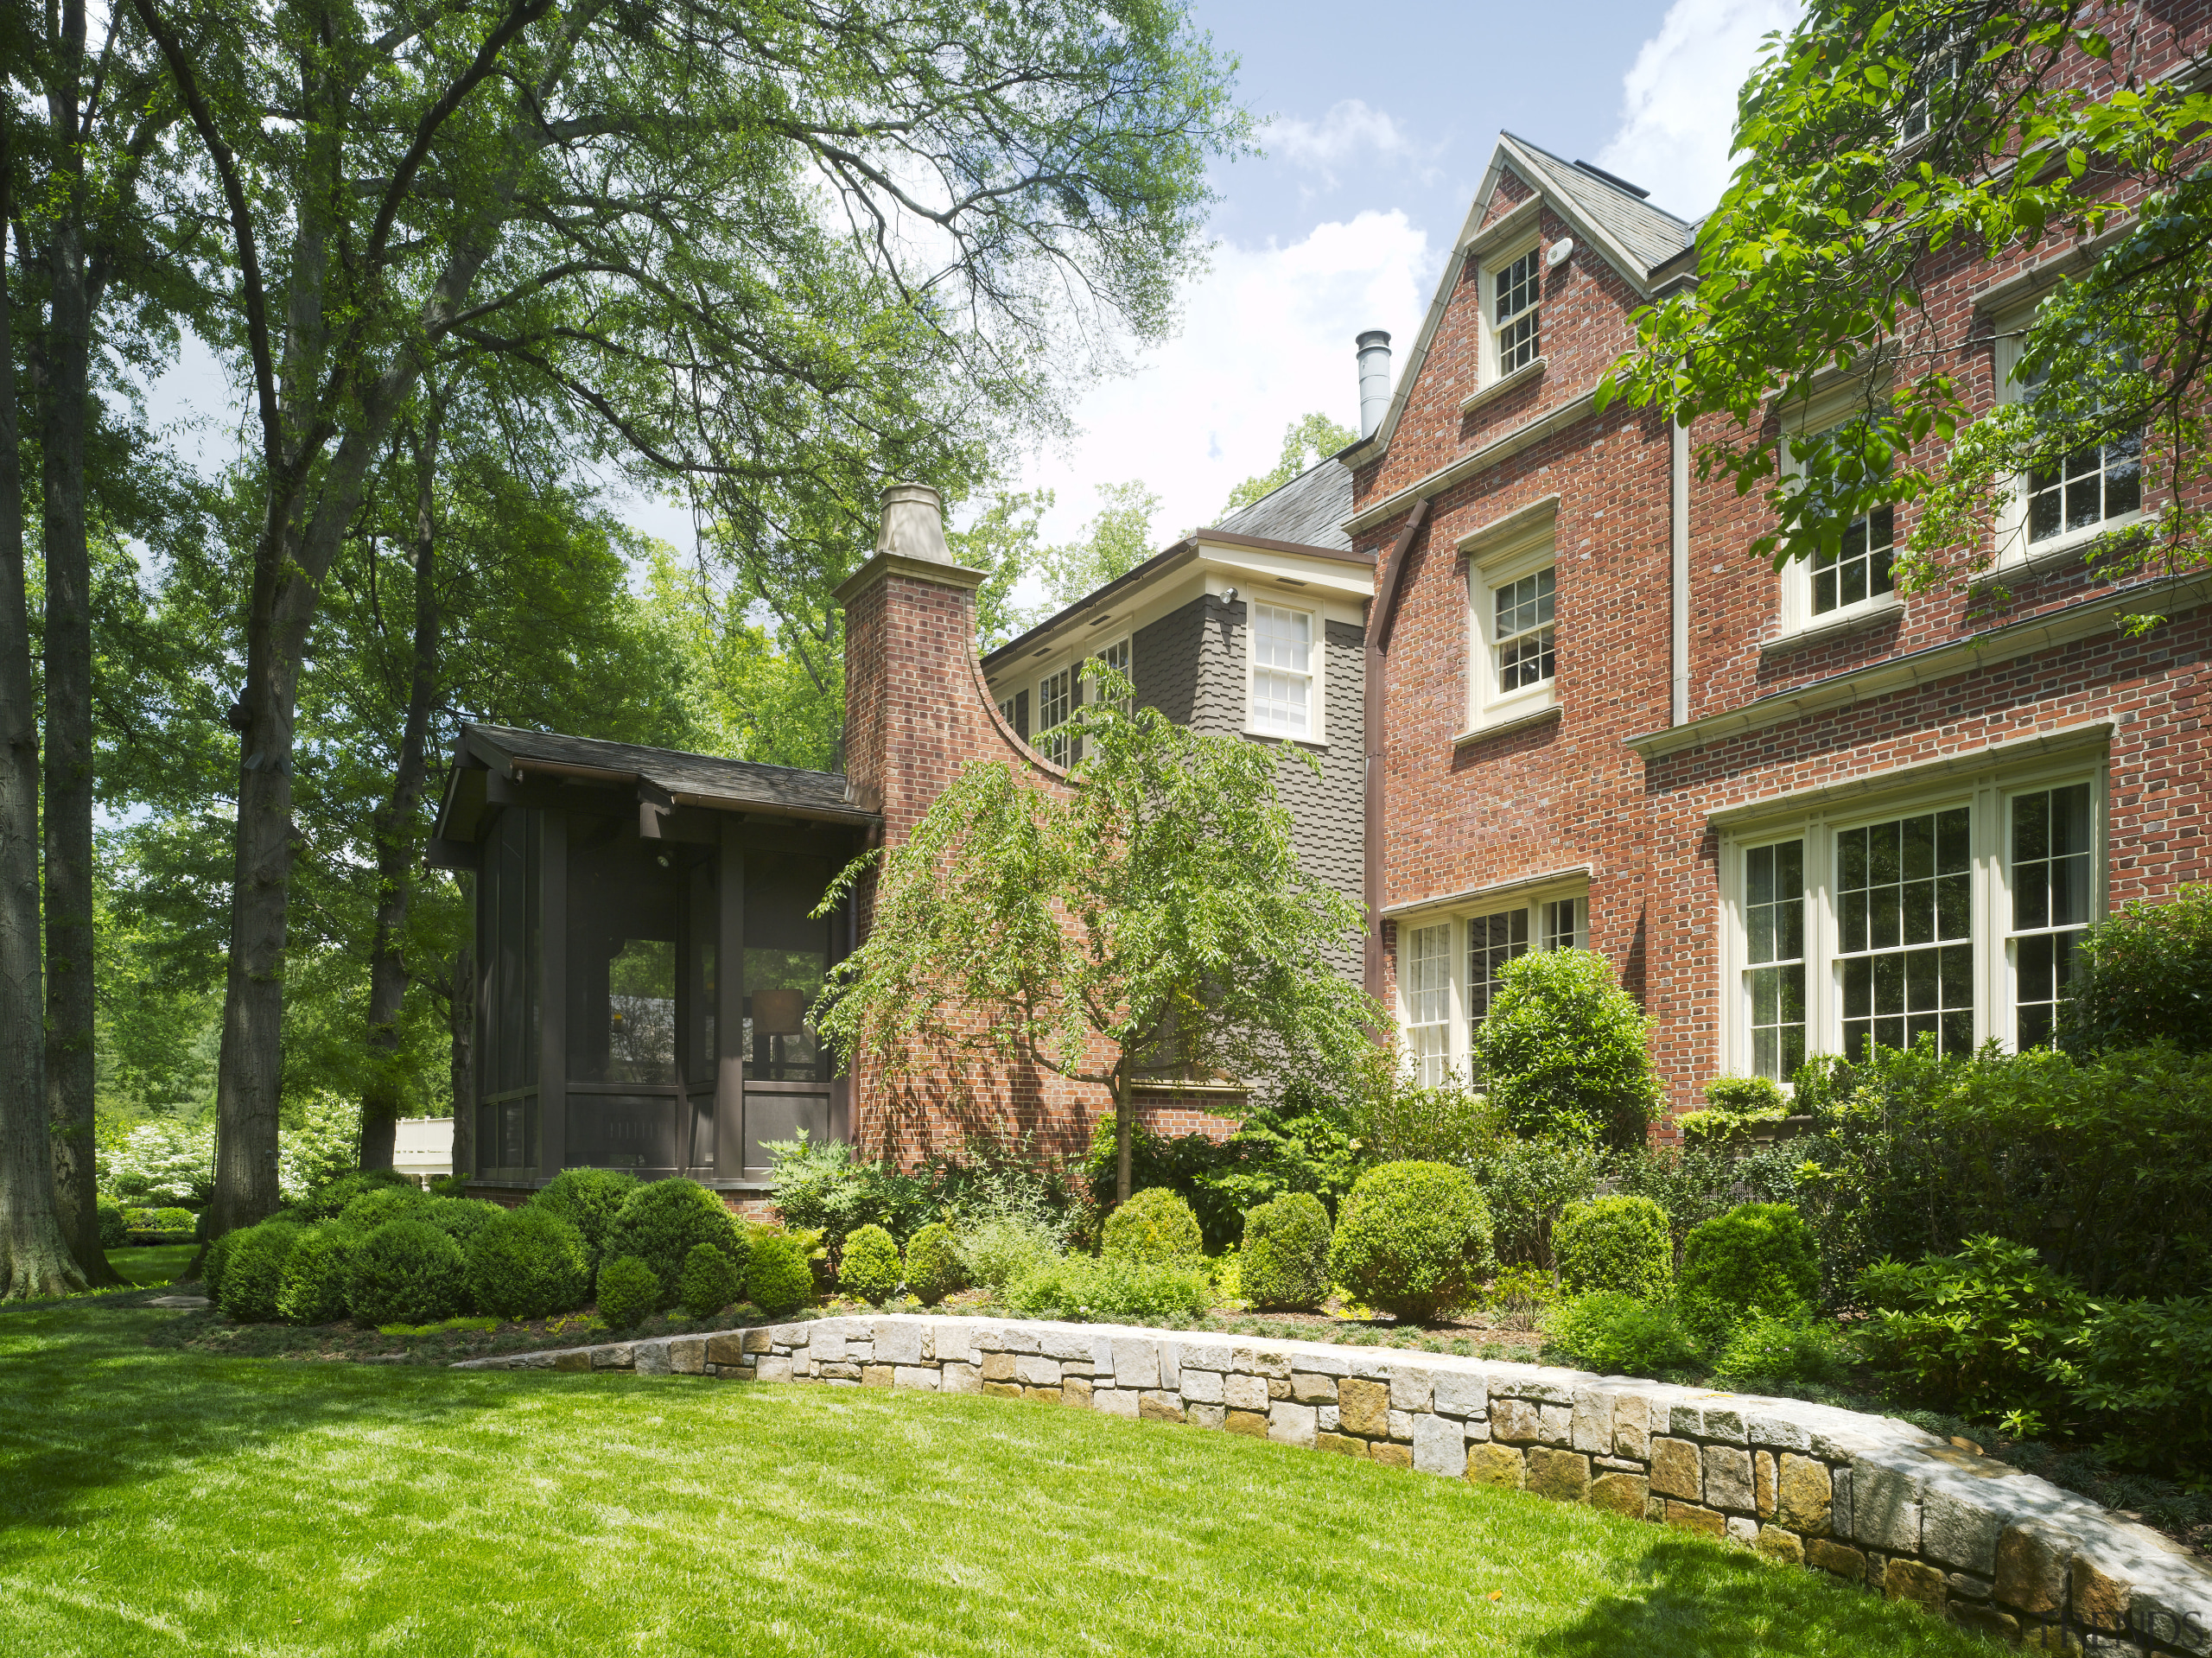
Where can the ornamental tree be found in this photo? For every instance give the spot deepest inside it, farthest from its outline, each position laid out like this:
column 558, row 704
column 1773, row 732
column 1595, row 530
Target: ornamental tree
column 1884, row 145
column 1152, row 919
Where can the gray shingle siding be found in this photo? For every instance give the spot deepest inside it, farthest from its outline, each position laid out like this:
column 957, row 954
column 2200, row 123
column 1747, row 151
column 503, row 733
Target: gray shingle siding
column 1164, row 662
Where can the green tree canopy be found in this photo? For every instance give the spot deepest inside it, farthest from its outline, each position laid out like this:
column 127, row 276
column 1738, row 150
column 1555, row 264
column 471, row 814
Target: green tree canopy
column 1154, row 917
column 1118, row 540
column 1885, row 147
column 1304, row 442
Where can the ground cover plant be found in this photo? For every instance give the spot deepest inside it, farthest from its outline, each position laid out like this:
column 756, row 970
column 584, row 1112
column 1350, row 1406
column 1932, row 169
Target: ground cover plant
column 882, row 1522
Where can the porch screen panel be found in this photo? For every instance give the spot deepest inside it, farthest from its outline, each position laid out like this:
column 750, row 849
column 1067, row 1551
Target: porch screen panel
column 622, row 965
column 787, row 953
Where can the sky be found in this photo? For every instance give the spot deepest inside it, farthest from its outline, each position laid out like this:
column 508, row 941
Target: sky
column 1380, row 120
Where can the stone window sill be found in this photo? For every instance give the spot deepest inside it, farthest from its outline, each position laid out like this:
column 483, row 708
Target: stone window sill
column 1839, row 628
column 1535, row 717
column 1521, row 376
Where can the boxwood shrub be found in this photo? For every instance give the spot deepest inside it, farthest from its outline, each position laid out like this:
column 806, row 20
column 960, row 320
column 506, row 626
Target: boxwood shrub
column 708, row 1282
column 386, row 1201
column 589, row 1199
column 314, row 1288
column 1155, row 1224
column 871, row 1269
column 253, row 1275
column 1412, row 1238
column 934, row 1268
column 779, row 1278
column 1615, row 1334
column 628, row 1291
column 1756, row 1255
column 1285, row 1260
column 115, row 1228
column 1618, row 1242
column 461, row 1218
column 329, row 1200
column 1113, row 1290
column 527, row 1263
column 662, row 1222
column 407, row 1272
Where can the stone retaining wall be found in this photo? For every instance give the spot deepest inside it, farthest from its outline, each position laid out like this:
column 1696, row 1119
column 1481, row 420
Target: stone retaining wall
column 1868, row 1498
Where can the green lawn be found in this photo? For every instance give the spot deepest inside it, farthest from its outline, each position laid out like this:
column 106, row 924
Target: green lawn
column 154, row 1501
column 157, row 1264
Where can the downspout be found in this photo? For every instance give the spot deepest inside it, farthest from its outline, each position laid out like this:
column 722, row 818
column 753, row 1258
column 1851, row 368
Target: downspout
column 1680, row 574
column 1375, row 681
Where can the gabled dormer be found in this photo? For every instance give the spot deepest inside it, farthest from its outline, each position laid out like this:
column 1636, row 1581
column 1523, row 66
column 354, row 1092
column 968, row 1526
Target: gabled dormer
column 1531, row 309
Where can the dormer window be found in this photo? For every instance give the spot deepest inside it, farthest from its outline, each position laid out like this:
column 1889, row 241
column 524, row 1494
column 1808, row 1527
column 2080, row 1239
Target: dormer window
column 1513, row 312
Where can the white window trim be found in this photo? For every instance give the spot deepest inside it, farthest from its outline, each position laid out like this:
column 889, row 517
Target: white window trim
column 2016, row 555
column 1799, row 620
column 1040, row 734
column 1987, row 794
column 1498, row 565
column 1530, row 900
column 1318, row 699
column 1098, row 653
column 1487, row 268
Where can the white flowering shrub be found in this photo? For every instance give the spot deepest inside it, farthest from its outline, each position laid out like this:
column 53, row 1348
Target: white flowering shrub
column 326, row 1145
column 168, row 1160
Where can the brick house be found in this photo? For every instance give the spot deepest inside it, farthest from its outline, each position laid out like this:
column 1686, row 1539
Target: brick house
column 1793, row 810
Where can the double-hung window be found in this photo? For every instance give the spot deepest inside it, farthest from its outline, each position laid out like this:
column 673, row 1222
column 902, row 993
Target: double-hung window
column 1428, row 1002
column 1563, row 923
column 1515, row 292
column 1953, row 916
column 1284, row 687
column 1492, row 941
column 1055, row 703
column 1523, row 633
column 2076, row 496
column 1856, row 577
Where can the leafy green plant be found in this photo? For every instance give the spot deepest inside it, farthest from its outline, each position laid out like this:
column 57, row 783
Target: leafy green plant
column 329, row 1200
column 253, row 1275
column 628, row 1291
column 1521, row 1295
column 1617, row 1334
column 461, row 1218
column 1618, row 1242
column 871, row 1269
column 1756, row 1255
column 528, row 1263
column 587, row 1199
column 777, row 1277
column 1154, row 1225
column 933, row 1264
column 384, row 1201
column 175, row 1222
column 1285, row 1260
column 1970, row 1333
column 661, row 1222
column 1527, row 1183
column 1564, row 1050
column 406, row 1272
column 821, row 1187
column 314, row 1287
column 215, row 1263
column 2144, row 975
column 1111, row 1289
column 2139, row 1375
column 1398, row 1120
column 708, row 1283
column 1801, row 1348
column 994, row 1253
column 115, row 1230
column 1412, row 1238
column 1746, row 1097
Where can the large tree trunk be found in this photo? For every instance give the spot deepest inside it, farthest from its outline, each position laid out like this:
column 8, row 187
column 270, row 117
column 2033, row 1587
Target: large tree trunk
column 65, row 357
column 394, row 828
column 35, row 1258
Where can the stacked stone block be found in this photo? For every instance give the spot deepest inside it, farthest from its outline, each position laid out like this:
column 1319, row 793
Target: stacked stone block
column 1870, row 1499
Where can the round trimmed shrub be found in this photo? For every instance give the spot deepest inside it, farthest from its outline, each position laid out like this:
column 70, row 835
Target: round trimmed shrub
column 461, row 1218
column 589, row 1199
column 1412, row 1238
column 778, row 1279
column 385, row 1203
column 1756, row 1255
column 662, row 1222
column 254, row 1273
column 628, row 1291
column 115, row 1227
column 870, row 1269
column 329, row 1200
column 177, row 1222
column 1614, row 1243
column 527, row 1263
column 708, row 1282
column 1156, row 1224
column 314, row 1288
column 406, row 1272
column 934, row 1269
column 1285, row 1260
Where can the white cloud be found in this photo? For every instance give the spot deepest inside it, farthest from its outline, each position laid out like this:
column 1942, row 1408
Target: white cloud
column 1267, row 339
column 1348, row 129
column 1678, row 100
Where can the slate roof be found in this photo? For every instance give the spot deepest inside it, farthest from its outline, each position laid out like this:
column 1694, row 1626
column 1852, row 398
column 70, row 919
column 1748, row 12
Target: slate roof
column 739, row 781
column 1652, row 234
column 1310, row 509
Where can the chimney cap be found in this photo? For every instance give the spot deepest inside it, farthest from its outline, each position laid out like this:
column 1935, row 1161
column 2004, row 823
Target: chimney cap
column 1374, row 337
column 912, row 524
